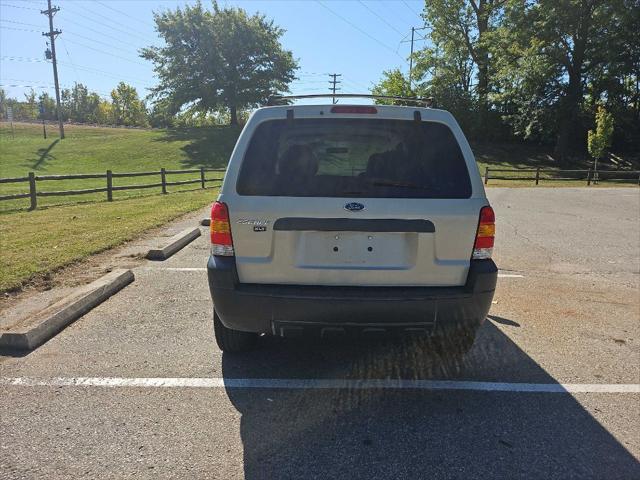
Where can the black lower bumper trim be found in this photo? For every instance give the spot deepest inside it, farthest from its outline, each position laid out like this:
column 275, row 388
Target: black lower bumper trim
column 265, row 308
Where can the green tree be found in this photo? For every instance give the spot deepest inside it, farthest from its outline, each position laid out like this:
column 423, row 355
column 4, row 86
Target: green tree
column 79, row 104
column 446, row 73
column 460, row 31
column 599, row 140
column 160, row 115
column 128, row 109
column 615, row 81
column 104, row 113
column 393, row 83
column 219, row 58
column 48, row 105
column 3, row 103
column 30, row 106
column 546, row 52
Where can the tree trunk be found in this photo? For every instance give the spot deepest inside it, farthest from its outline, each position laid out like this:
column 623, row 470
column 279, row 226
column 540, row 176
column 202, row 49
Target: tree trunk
column 570, row 104
column 233, row 110
column 568, row 118
column 483, row 90
column 482, row 60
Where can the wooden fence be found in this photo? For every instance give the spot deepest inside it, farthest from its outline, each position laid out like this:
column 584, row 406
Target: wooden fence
column 33, row 180
column 539, row 174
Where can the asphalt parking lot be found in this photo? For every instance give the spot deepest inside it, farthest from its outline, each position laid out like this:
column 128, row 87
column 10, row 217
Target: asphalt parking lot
column 137, row 387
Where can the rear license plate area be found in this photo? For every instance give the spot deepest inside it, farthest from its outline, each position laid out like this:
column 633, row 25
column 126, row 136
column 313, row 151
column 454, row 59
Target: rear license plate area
column 356, row 249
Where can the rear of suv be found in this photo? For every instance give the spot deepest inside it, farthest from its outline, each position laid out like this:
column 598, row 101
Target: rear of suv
column 342, row 218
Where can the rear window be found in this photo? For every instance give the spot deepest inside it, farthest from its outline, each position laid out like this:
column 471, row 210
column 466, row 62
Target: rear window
column 354, row 158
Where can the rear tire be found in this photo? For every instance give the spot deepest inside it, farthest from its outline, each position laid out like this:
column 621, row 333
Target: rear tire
column 230, row 340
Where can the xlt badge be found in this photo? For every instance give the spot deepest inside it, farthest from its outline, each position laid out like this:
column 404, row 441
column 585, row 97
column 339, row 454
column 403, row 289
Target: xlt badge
column 253, row 221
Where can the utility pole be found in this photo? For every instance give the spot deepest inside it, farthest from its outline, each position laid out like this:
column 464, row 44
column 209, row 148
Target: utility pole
column 44, row 125
column 52, row 34
column 413, row 32
column 334, row 83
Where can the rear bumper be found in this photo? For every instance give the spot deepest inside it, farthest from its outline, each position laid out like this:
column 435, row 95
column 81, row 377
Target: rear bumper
column 286, row 309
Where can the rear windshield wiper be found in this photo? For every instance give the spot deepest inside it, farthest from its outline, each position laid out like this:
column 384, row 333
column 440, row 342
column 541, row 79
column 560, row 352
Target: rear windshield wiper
column 399, row 184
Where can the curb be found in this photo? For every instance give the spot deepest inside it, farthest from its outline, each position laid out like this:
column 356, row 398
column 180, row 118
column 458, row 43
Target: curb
column 174, row 244
column 205, row 222
column 44, row 325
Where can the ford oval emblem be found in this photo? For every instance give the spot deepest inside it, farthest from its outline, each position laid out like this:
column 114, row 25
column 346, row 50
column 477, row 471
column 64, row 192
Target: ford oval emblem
column 354, row 207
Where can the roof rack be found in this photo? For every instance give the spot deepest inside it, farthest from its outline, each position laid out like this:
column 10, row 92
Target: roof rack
column 281, row 99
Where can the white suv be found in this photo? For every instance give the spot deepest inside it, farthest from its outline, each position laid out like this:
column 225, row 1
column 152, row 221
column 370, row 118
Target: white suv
column 341, row 218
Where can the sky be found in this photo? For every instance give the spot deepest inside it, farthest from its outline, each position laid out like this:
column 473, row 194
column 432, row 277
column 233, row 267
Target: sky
column 100, row 41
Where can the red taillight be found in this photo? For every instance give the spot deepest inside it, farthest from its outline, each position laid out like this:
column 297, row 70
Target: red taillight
column 353, row 109
column 483, row 247
column 221, row 241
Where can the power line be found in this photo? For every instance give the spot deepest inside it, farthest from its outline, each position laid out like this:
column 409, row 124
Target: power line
column 357, row 85
column 358, row 28
column 92, row 70
column 392, row 12
column 380, row 17
column 22, row 23
column 18, row 6
column 124, row 13
column 70, row 61
column 108, row 18
column 108, row 26
column 139, row 81
column 15, row 85
column 308, row 81
column 97, row 41
column 411, row 9
column 20, row 29
column 98, row 32
column 22, row 59
column 310, row 89
column 106, row 53
column 50, row 85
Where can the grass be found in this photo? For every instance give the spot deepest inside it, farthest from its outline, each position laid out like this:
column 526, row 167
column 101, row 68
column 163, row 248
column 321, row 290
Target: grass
column 41, row 241
column 67, row 229
column 96, row 150
column 517, row 155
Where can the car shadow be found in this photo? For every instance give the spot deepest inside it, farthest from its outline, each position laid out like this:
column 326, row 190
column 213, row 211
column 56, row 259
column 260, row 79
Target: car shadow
column 390, row 433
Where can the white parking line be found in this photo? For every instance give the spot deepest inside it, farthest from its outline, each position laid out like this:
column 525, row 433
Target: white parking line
column 177, row 269
column 203, row 269
column 319, row 384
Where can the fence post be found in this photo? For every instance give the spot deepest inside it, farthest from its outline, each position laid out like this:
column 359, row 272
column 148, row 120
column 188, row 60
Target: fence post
column 32, row 191
column 202, row 176
column 486, row 175
column 109, row 186
column 537, row 175
column 163, row 176
column 589, row 176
